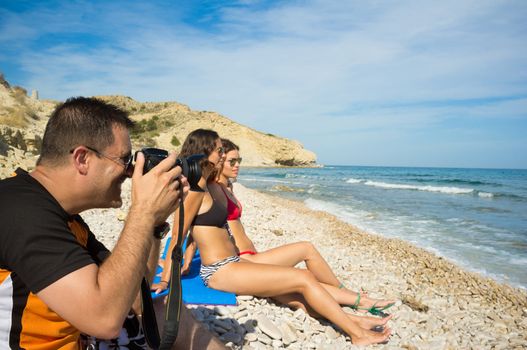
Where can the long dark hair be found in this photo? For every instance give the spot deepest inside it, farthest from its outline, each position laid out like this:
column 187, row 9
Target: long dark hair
column 200, row 141
column 228, row 146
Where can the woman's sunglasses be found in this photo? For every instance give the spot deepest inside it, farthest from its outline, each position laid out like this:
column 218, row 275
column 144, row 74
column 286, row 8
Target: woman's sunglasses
column 233, row 161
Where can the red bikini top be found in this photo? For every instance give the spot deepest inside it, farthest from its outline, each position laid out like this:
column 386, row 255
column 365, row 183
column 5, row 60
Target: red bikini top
column 233, row 211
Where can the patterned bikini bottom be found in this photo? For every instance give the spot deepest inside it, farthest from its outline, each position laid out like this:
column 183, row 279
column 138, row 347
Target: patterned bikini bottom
column 206, row 271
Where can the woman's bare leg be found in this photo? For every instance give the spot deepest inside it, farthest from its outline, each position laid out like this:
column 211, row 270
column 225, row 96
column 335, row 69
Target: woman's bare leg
column 270, row 280
column 297, row 301
column 294, row 253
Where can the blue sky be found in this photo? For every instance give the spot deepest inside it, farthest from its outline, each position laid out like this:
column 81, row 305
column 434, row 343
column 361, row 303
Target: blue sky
column 403, row 83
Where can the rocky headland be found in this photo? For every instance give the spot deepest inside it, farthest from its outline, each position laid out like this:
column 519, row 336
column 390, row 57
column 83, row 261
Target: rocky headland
column 159, row 124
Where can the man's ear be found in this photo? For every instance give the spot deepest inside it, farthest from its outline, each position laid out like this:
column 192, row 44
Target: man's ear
column 81, row 160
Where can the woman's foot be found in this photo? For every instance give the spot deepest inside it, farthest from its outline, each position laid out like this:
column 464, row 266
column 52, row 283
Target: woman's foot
column 369, row 337
column 368, row 322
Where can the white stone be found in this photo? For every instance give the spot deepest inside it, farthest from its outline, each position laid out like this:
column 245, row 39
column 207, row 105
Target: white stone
column 331, row 333
column 222, row 310
column 276, row 344
column 268, row 327
column 241, row 314
column 300, row 314
column 250, row 337
column 288, row 335
column 264, row 338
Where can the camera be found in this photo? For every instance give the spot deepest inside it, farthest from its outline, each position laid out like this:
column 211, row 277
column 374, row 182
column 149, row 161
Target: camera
column 190, row 165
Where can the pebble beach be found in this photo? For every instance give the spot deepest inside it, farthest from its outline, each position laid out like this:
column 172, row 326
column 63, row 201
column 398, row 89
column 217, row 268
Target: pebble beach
column 440, row 305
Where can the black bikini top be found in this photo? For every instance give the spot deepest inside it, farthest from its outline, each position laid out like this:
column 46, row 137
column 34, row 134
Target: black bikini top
column 215, row 216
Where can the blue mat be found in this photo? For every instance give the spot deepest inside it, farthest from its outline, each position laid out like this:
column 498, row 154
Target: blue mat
column 194, row 291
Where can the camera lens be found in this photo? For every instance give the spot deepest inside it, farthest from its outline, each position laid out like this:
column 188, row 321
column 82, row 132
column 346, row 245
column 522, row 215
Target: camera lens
column 192, row 170
column 190, row 166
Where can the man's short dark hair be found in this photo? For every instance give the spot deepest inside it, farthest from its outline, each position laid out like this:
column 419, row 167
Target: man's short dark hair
column 80, row 121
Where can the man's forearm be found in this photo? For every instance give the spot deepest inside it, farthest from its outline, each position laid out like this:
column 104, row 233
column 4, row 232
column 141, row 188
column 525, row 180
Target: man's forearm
column 119, row 277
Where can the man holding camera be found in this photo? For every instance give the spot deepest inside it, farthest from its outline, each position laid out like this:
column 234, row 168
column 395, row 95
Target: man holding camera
column 56, row 279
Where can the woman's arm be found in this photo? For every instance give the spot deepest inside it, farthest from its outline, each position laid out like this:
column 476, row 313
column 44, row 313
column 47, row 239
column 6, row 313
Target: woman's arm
column 241, row 240
column 191, row 204
column 190, row 251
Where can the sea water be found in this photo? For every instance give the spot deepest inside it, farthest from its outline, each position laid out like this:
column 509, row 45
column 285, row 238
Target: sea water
column 476, row 218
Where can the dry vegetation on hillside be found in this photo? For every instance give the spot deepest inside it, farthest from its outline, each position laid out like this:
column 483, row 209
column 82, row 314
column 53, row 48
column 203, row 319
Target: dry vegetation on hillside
column 159, row 124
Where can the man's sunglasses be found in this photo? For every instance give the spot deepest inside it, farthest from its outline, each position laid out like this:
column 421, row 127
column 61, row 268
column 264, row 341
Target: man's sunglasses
column 233, row 161
column 125, row 161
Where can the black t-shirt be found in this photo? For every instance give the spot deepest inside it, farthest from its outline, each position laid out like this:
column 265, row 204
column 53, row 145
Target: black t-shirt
column 39, row 244
column 36, row 242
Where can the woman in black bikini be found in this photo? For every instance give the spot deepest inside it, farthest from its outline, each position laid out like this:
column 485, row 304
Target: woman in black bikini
column 222, row 268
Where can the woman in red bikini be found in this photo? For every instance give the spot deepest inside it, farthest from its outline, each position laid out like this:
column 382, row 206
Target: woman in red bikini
column 286, row 255
column 206, row 215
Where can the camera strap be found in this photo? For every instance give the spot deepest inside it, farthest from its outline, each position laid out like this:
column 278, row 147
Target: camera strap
column 174, row 302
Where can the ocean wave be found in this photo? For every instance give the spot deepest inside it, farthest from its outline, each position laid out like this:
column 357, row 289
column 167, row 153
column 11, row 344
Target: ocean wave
column 466, row 182
column 473, row 182
column 354, row 181
column 448, row 190
column 257, row 179
column 295, row 176
column 428, row 188
column 511, row 196
column 491, row 210
column 313, row 188
column 518, row 261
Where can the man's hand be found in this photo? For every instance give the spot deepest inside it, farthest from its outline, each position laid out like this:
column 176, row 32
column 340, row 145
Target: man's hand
column 156, row 194
column 186, row 187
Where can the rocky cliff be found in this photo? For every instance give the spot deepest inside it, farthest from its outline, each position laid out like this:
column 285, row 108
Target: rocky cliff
column 22, row 123
column 159, row 124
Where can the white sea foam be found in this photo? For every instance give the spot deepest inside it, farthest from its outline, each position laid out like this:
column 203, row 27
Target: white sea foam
column 312, row 188
column 295, row 176
column 258, row 179
column 448, row 190
column 354, row 181
column 485, row 194
column 329, row 207
column 518, row 261
column 353, row 216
